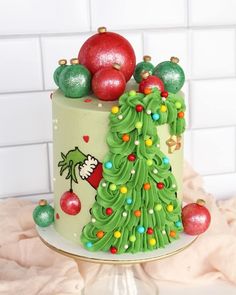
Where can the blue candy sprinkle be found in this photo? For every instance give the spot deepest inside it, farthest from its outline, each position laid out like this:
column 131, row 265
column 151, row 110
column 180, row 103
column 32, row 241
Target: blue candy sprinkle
column 141, row 229
column 155, row 116
column 108, row 165
column 178, row 223
column 129, row 201
column 166, row 160
column 89, row 244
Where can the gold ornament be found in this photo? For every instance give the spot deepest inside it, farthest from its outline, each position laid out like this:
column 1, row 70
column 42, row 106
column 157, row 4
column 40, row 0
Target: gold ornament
column 174, row 143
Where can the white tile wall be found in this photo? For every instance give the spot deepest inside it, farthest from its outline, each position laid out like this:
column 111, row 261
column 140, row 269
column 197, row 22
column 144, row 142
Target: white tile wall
column 34, row 35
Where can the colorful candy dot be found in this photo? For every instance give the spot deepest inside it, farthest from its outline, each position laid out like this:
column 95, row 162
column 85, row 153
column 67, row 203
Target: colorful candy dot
column 155, row 117
column 141, row 229
column 120, row 117
column 100, row 234
column 152, row 242
column 148, row 142
column 104, row 184
column 136, row 142
column 163, row 108
column 131, row 157
column 178, row 223
column 149, row 231
column 117, row 234
column 132, row 171
column 170, row 208
column 155, row 171
column 129, row 201
column 138, row 125
column 164, row 94
column 99, row 105
column 132, row 239
column 132, row 93
column 113, row 250
column 112, row 187
column 108, row 165
column 137, row 213
column 166, row 160
column 178, row 105
column 89, row 244
column 109, row 211
column 181, row 115
column 149, row 162
column 158, row 207
column 123, row 189
column 125, row 137
column 146, row 186
column 115, row 110
column 149, row 112
column 160, row 185
column 124, row 214
column 172, row 234
column 139, row 108
column 150, row 211
column 126, row 246
column 174, row 185
column 163, row 232
column 93, row 220
column 147, row 90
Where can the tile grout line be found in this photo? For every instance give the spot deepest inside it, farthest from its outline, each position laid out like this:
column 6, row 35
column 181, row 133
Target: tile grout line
column 25, row 144
column 42, row 63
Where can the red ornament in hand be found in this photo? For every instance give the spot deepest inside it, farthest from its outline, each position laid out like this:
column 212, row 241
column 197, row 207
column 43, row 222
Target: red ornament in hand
column 70, row 203
column 196, row 218
column 106, row 48
column 109, row 83
column 150, row 82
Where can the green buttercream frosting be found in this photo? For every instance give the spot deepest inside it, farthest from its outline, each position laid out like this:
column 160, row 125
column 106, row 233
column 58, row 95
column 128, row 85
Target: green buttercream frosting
column 146, row 212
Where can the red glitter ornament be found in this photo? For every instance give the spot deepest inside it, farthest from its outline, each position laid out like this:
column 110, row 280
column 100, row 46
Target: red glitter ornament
column 160, row 185
column 109, row 211
column 150, row 82
column 131, row 157
column 139, row 108
column 70, row 203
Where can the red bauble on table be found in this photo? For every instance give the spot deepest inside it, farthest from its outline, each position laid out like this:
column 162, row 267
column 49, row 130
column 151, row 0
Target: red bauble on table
column 150, row 82
column 196, row 218
column 70, row 203
column 109, row 83
column 106, row 48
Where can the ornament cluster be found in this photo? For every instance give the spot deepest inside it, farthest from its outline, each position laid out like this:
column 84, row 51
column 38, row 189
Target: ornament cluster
column 106, row 62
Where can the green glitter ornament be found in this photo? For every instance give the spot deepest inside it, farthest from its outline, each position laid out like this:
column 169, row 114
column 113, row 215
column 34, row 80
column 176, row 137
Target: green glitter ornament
column 171, row 74
column 43, row 214
column 75, row 80
column 144, row 66
column 62, row 65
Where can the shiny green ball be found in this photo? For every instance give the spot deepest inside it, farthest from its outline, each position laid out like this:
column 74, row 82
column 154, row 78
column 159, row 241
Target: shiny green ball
column 171, row 74
column 57, row 72
column 43, row 215
column 144, row 66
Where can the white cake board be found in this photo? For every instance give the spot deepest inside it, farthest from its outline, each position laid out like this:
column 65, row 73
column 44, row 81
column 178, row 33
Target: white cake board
column 59, row 244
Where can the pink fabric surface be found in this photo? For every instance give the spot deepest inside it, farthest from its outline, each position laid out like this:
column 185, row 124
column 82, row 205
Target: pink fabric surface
column 27, row 266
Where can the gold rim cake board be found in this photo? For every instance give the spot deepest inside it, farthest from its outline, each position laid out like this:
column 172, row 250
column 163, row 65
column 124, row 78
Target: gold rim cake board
column 54, row 241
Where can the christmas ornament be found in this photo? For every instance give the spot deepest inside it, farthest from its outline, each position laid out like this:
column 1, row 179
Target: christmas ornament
column 70, row 203
column 173, row 143
column 62, row 65
column 171, row 74
column 109, row 83
column 149, row 82
column 43, row 214
column 196, row 218
column 75, row 80
column 106, row 48
column 144, row 66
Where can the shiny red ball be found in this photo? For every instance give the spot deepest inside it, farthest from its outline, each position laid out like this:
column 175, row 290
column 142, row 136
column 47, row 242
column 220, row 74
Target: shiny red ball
column 151, row 82
column 113, row 250
column 108, row 84
column 131, row 157
column 164, row 94
column 139, row 108
column 109, row 211
column 70, row 203
column 196, row 219
column 106, row 48
column 149, row 231
column 160, row 185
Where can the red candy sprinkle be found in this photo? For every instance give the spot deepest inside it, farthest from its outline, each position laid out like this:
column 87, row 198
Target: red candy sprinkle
column 139, row 108
column 164, row 94
column 131, row 157
column 109, row 211
column 113, row 250
column 149, row 231
column 160, row 185
column 87, row 100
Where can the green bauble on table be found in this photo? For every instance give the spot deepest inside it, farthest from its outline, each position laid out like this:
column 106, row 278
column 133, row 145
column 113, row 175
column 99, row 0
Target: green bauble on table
column 171, row 74
column 43, row 214
column 143, row 66
column 75, row 80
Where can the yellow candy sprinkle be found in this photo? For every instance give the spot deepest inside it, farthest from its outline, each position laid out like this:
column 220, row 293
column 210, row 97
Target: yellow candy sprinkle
column 170, row 208
column 163, row 108
column 117, row 234
column 158, row 207
column 123, row 189
column 148, row 142
column 152, row 242
column 115, row 110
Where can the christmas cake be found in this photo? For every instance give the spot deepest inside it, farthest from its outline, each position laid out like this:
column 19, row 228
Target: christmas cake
column 117, row 149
